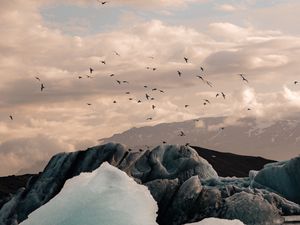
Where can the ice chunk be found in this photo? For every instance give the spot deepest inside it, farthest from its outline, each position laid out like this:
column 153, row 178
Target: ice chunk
column 216, row 221
column 282, row 177
column 106, row 196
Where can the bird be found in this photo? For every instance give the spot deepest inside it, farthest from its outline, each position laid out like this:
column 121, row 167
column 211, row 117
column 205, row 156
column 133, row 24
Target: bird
column 201, row 68
column 164, row 142
column 38, row 79
column 112, row 75
column 89, row 104
column 152, row 99
column 147, row 96
column 130, row 99
column 179, row 73
column 114, row 101
column 222, row 128
column 154, row 69
column 91, row 70
column 89, row 77
column 139, row 101
column 249, row 109
column 149, row 118
column 243, row 77
column 185, row 106
column 127, row 93
column 79, row 77
column 296, row 82
column 217, row 95
column 161, row 91
column 11, row 117
column 154, row 89
column 117, row 54
column 206, row 100
column 125, row 82
column 209, row 83
column 141, row 150
column 119, row 82
column 145, row 86
column 102, row 3
column 186, row 59
column 148, row 68
column 42, row 87
column 200, row 77
column 182, row 134
column 103, row 62
column 153, row 106
column 224, row 96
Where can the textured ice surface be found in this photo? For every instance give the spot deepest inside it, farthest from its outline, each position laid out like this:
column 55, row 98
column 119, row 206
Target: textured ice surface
column 281, row 177
column 106, row 196
column 216, row 221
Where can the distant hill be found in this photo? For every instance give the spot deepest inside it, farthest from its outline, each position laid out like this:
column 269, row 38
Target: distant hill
column 277, row 140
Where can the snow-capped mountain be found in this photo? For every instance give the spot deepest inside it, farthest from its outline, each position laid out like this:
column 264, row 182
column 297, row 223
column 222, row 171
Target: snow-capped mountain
column 278, row 140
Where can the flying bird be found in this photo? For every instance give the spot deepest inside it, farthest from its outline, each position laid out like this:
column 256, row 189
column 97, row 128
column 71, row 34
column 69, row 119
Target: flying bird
column 153, row 106
column 117, row 54
column 125, row 82
column 182, row 134
column 152, row 99
column 209, row 83
column 296, row 82
column 139, row 101
column 145, row 86
column 161, row 91
column 127, row 93
column 147, row 96
column 217, row 95
column 119, row 82
column 186, row 59
column 130, row 99
column 42, row 87
column 179, row 73
column 200, row 77
column 91, row 70
column 149, row 118
column 102, row 3
column 11, row 117
column 79, row 77
column 201, row 68
column 154, row 89
column 89, row 77
column 243, row 77
column 224, row 96
column 207, row 101
column 115, row 102
column 154, row 69
column 103, row 62
column 89, row 104
column 164, row 142
column 38, row 79
column 112, row 75
column 185, row 106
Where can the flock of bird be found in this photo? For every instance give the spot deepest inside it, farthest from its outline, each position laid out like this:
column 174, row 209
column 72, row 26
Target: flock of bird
column 147, row 95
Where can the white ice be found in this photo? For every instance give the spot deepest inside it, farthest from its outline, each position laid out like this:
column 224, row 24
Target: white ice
column 216, row 221
column 107, row 196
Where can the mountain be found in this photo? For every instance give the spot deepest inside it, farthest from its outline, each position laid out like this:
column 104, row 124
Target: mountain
column 185, row 186
column 278, row 140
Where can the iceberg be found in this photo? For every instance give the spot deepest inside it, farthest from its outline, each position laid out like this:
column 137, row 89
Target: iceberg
column 107, row 196
column 216, row 221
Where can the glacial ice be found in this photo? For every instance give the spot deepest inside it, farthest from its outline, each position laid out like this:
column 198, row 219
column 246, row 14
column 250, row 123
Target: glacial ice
column 107, row 196
column 281, row 177
column 216, row 221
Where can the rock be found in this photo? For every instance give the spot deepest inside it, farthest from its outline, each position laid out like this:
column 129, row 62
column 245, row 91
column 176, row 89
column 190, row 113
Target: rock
column 281, row 177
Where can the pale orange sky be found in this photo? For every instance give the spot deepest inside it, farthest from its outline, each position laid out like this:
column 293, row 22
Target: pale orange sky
column 60, row 40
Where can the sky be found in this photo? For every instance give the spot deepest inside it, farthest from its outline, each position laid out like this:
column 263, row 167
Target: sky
column 58, row 41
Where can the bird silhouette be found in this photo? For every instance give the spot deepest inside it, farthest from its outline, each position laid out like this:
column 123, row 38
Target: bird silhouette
column 200, row 77
column 89, row 77
column 154, row 89
column 89, row 104
column 153, row 107
column 119, row 82
column 249, row 109
column 152, row 99
column 224, row 96
column 209, row 83
column 114, row 101
column 42, row 87
column 296, row 82
column 217, row 95
column 112, row 75
column 102, row 3
column 130, row 99
column 91, row 70
column 127, row 93
column 201, row 68
column 145, row 86
column 125, row 82
column 164, row 142
column 179, row 73
column 147, row 96
column 149, row 118
column 79, row 77
column 103, row 62
column 11, row 117
column 161, row 91
column 116, row 53
column 186, row 59
column 243, row 77
column 38, row 79
column 207, row 101
column 139, row 101
column 182, row 134
column 154, row 69
column 185, row 106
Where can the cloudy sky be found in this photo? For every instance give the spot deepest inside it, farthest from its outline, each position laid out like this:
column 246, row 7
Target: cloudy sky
column 60, row 40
